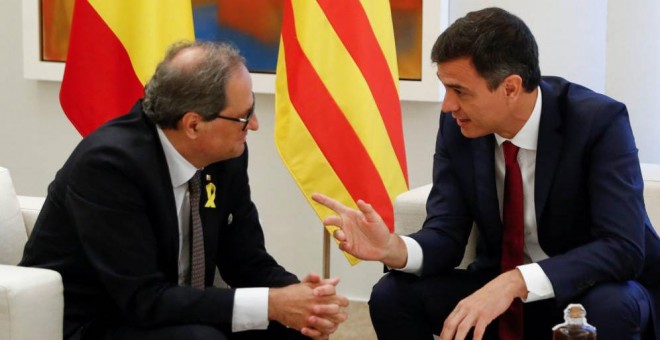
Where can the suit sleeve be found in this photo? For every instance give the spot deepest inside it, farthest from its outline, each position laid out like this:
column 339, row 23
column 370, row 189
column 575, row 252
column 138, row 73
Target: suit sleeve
column 613, row 215
column 447, row 227
column 243, row 259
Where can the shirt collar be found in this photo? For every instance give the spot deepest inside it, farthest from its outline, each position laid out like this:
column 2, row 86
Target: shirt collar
column 528, row 136
column 181, row 171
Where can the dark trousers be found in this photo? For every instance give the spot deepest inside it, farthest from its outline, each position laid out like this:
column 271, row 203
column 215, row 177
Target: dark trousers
column 404, row 306
column 190, row 332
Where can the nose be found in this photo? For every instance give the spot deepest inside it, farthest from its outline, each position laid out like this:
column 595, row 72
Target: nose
column 253, row 124
column 449, row 103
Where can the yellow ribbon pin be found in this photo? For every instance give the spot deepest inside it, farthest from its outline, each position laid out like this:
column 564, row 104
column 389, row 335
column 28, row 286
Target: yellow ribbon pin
column 210, row 193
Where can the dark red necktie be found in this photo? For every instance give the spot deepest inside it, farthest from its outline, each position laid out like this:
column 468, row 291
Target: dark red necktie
column 511, row 322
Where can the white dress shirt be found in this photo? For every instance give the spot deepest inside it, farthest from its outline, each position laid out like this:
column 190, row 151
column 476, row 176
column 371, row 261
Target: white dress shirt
column 250, row 304
column 538, row 284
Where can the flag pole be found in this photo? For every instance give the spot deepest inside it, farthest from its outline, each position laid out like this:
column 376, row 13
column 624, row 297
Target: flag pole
column 326, row 254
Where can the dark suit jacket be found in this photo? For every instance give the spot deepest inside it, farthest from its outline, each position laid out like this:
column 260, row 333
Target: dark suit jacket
column 588, row 193
column 109, row 227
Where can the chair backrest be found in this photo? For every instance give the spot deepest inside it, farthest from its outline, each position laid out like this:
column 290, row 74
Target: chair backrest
column 12, row 227
column 651, row 175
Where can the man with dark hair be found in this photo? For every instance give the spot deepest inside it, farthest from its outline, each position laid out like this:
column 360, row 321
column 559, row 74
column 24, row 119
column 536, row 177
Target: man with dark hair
column 150, row 204
column 547, row 171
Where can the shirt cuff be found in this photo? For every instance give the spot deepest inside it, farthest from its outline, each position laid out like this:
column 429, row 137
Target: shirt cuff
column 415, row 256
column 538, row 284
column 250, row 309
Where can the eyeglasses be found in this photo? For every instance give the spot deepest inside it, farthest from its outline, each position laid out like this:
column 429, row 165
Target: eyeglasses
column 245, row 121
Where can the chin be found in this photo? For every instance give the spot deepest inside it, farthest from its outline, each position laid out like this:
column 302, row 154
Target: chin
column 237, row 152
column 471, row 133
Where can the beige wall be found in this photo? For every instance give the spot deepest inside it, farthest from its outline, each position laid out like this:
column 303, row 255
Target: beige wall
column 36, row 137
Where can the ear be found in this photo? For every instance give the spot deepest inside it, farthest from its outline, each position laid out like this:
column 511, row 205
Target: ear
column 189, row 124
column 512, row 86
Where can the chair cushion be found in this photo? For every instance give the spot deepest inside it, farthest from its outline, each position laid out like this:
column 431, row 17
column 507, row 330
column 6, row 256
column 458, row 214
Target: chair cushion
column 652, row 202
column 651, row 175
column 31, row 303
column 410, row 210
column 12, row 227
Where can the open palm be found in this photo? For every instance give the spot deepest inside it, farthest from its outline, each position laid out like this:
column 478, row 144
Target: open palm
column 362, row 233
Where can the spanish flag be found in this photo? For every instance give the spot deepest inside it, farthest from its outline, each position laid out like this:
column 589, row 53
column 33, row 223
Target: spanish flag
column 338, row 122
column 114, row 48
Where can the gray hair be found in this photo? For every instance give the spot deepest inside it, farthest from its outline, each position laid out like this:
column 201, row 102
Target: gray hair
column 199, row 86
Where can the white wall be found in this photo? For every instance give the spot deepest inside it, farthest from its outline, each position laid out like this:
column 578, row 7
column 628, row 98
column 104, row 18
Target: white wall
column 633, row 68
column 36, row 138
column 570, row 34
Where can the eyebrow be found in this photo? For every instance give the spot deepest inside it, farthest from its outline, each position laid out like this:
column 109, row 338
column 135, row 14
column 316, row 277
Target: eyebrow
column 250, row 111
column 457, row 87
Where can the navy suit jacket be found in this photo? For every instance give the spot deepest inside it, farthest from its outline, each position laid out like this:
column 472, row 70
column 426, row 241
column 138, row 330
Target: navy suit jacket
column 109, row 227
column 590, row 211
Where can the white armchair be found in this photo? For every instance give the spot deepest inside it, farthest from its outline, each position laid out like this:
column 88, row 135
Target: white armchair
column 31, row 299
column 410, row 210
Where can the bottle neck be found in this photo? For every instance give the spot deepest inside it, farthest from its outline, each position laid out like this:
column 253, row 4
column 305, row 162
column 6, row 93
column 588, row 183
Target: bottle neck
column 575, row 321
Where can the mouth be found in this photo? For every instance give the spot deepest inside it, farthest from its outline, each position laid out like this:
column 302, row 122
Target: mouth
column 461, row 121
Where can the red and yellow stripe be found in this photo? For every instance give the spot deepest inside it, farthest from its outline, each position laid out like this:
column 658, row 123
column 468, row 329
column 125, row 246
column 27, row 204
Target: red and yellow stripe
column 338, row 118
column 113, row 51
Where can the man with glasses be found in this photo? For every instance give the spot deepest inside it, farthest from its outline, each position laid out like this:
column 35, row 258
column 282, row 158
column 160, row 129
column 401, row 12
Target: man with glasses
column 149, row 205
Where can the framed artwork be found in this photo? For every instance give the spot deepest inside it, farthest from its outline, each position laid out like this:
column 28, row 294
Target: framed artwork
column 254, row 27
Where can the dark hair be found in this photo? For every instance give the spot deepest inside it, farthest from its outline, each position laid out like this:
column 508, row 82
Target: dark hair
column 197, row 86
column 498, row 43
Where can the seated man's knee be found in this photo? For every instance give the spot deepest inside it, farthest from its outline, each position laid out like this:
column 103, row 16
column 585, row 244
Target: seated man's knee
column 617, row 308
column 204, row 332
column 395, row 308
column 387, row 292
column 178, row 332
column 392, row 296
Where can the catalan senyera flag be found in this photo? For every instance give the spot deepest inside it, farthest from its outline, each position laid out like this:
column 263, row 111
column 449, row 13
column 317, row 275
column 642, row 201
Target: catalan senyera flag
column 338, row 122
column 114, row 47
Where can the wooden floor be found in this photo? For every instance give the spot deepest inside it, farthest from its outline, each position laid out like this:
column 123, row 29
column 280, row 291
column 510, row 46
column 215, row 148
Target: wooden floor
column 358, row 326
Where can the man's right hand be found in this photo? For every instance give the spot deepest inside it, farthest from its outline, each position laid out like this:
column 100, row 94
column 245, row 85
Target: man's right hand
column 363, row 234
column 312, row 306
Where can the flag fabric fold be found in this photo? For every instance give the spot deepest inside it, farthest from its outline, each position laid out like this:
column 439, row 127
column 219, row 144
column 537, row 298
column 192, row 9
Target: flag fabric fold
column 114, row 47
column 338, row 122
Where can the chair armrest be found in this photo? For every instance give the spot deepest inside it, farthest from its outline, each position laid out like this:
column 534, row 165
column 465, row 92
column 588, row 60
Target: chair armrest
column 410, row 213
column 410, row 210
column 31, row 303
column 652, row 202
column 30, row 207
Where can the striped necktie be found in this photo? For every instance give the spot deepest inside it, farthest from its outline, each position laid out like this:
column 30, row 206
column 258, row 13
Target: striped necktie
column 197, row 258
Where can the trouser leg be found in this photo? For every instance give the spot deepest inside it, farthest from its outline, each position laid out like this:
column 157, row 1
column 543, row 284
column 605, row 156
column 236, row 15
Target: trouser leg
column 618, row 310
column 404, row 306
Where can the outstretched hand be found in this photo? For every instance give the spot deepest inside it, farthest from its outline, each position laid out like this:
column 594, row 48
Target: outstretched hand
column 362, row 233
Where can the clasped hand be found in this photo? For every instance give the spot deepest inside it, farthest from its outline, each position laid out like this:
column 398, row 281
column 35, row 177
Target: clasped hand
column 312, row 306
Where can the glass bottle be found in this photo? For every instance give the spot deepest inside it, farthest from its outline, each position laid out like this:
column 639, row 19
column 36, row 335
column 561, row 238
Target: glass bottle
column 575, row 326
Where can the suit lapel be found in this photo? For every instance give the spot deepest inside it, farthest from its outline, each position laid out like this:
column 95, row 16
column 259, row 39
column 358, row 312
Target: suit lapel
column 212, row 216
column 548, row 148
column 485, row 188
column 165, row 206
column 170, row 228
